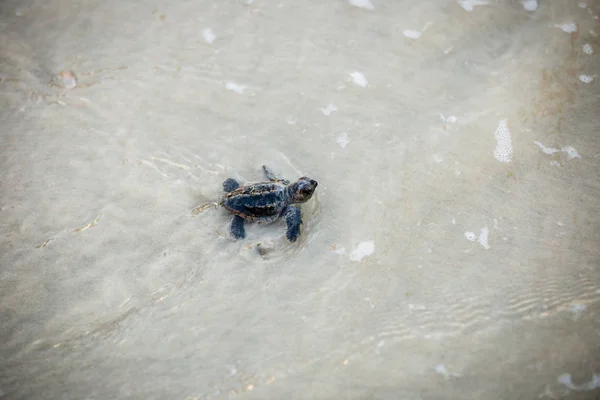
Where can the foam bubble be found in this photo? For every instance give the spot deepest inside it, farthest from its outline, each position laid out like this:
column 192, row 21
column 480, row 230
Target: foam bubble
column 343, row 140
column 468, row 5
column 571, row 152
column 329, row 109
column 442, row 370
column 547, row 150
column 504, row 149
column 582, row 4
column 566, row 380
column 577, row 310
column 235, row 87
column 587, row 49
column 366, row 4
column 362, row 250
column 209, row 35
column 412, row 34
column 359, row 79
column 585, row 78
column 569, row 27
column 530, row 5
column 451, row 120
column 483, row 237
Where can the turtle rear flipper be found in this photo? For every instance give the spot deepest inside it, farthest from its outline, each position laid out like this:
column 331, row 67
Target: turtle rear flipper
column 272, row 176
column 293, row 219
column 230, row 185
column 237, row 227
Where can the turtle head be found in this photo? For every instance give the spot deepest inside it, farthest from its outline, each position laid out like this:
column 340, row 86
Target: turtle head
column 302, row 190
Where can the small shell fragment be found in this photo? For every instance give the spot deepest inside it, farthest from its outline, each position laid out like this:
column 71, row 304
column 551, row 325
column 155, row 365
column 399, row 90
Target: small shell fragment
column 65, row 79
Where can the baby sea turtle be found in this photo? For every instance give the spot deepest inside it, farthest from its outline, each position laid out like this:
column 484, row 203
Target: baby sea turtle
column 267, row 201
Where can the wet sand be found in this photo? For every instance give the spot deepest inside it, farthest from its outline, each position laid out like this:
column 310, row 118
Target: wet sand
column 450, row 251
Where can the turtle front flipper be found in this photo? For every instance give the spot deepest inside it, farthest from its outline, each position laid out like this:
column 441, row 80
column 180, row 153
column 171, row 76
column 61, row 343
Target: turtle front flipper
column 293, row 219
column 272, row 176
column 237, row 227
column 230, row 185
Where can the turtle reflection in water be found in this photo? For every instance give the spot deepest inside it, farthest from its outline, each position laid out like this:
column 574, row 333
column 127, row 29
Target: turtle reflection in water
column 266, row 202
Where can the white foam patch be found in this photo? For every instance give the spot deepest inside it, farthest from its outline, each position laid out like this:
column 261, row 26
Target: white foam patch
column 442, row 370
column 362, row 250
column 530, row 5
column 343, row 140
column 412, row 34
column 438, row 159
column 577, row 310
column 209, row 35
column 571, row 152
column 585, row 78
column 451, row 120
column 588, row 49
column 468, row 5
column 330, row 109
column 582, row 4
column 569, row 27
column 366, row 4
column 359, row 79
column 566, row 380
column 504, row 148
column 483, row 237
column 547, row 150
column 235, row 87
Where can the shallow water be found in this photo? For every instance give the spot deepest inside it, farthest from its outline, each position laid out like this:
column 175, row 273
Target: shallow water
column 451, row 249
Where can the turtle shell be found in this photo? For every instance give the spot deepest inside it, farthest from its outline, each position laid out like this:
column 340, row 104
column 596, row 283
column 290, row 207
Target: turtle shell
column 262, row 201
